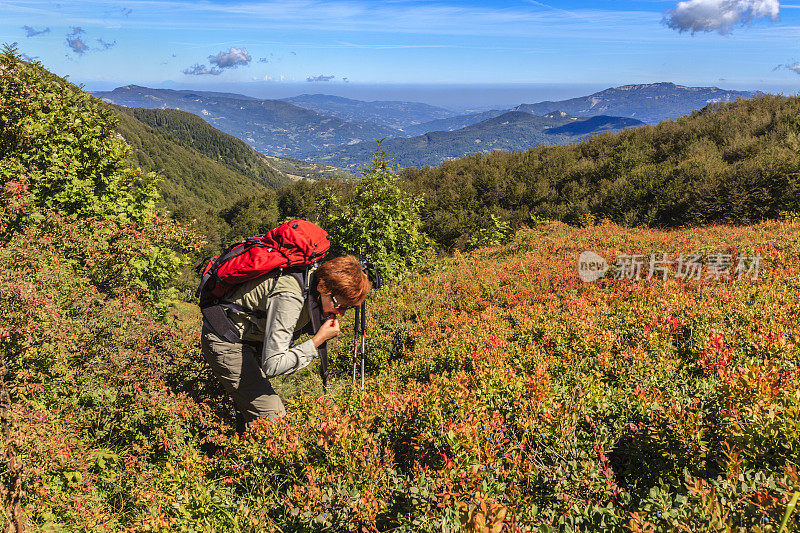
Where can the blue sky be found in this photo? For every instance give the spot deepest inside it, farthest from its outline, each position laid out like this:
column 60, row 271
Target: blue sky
column 538, row 49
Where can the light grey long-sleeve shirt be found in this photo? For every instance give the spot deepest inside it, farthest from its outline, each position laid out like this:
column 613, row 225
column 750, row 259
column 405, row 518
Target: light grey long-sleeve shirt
column 281, row 298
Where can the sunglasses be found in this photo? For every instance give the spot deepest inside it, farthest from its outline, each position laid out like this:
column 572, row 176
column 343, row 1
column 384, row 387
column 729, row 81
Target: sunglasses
column 340, row 307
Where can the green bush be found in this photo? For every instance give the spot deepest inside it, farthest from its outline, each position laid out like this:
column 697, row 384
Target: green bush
column 60, row 156
column 64, row 143
column 104, row 397
column 491, row 234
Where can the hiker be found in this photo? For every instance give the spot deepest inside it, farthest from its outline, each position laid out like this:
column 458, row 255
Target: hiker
column 266, row 315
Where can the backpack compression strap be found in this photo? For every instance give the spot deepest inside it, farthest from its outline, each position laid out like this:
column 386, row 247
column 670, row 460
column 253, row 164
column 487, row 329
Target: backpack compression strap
column 217, row 317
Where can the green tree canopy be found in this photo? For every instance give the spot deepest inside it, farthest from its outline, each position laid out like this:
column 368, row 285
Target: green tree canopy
column 379, row 220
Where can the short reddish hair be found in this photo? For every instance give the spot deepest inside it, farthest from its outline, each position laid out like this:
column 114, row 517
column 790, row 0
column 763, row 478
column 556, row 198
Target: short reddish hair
column 343, row 278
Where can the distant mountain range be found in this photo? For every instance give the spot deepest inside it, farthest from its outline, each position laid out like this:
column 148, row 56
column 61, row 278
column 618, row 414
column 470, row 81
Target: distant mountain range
column 514, row 130
column 391, row 114
column 342, row 132
column 272, row 127
column 650, row 103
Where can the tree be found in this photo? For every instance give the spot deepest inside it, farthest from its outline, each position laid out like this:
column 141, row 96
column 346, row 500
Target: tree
column 380, row 221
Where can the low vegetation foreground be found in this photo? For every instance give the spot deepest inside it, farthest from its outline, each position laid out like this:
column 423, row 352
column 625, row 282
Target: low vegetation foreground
column 506, row 394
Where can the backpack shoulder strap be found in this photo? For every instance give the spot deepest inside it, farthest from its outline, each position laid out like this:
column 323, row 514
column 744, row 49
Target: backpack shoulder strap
column 316, row 318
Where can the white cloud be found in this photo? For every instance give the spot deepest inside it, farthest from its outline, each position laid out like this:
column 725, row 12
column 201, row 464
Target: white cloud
column 794, row 67
column 201, row 70
column 719, row 15
column 231, row 59
column 33, row 32
column 106, row 45
column 75, row 42
column 320, row 78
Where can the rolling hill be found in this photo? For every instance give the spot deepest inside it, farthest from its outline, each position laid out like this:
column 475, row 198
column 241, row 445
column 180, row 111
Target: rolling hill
column 593, row 125
column 227, row 150
column 193, row 182
column 452, row 123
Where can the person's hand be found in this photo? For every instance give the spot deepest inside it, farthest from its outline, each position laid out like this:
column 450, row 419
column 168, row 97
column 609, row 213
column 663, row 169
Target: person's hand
column 328, row 330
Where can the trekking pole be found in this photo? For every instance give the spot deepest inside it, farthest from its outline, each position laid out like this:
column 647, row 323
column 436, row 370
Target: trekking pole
column 359, row 341
column 363, row 339
column 360, row 326
column 356, row 331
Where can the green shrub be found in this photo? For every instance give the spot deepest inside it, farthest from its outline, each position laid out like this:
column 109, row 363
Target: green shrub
column 60, row 156
column 491, row 234
column 65, row 144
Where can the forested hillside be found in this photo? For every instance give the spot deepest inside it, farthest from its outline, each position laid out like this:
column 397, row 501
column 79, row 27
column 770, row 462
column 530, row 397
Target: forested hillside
column 225, row 149
column 193, row 182
column 733, row 162
column 729, row 163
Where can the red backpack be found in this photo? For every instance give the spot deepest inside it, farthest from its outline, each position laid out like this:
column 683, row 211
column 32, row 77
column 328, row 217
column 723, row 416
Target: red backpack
column 293, row 243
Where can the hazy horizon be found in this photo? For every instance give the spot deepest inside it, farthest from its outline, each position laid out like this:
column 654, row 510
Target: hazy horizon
column 456, row 97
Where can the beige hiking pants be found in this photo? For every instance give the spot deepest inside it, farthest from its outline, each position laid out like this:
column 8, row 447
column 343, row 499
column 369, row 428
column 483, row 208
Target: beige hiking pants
column 237, row 368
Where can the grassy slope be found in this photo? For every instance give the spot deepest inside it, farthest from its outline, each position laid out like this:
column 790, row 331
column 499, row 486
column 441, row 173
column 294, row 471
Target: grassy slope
column 297, row 169
column 503, row 389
